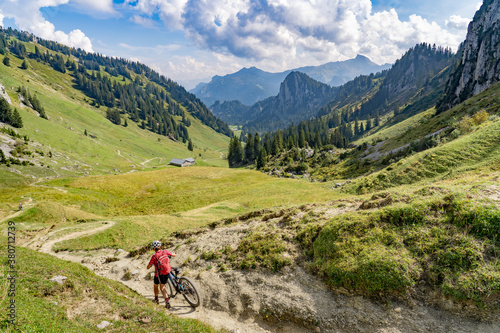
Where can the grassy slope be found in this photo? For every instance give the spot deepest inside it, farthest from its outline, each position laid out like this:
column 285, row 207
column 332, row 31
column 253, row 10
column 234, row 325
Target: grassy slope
column 115, row 147
column 82, row 302
column 479, row 149
column 441, row 236
column 397, row 129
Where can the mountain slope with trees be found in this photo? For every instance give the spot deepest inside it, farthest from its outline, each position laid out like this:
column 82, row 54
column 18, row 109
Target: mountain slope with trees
column 372, row 111
column 80, row 113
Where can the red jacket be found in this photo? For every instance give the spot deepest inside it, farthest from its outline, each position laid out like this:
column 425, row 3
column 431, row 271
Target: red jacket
column 161, row 262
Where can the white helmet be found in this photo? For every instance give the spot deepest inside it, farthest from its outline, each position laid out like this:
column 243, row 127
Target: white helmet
column 156, row 244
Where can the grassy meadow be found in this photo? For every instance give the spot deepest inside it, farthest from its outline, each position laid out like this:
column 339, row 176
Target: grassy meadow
column 155, row 203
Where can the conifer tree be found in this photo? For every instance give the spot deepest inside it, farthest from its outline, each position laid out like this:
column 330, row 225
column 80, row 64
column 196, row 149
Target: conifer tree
column 317, row 140
column 6, row 61
column 24, row 65
column 368, row 123
column 190, row 145
column 16, row 120
column 302, row 138
column 235, row 155
column 256, row 145
column 250, row 149
column 261, row 158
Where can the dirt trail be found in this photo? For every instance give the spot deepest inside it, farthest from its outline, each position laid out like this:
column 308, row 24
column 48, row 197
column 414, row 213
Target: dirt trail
column 26, row 204
column 253, row 301
column 46, row 246
column 95, row 260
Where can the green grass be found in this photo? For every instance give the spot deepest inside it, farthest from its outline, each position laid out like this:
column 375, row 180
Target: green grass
column 479, row 149
column 449, row 243
column 80, row 303
column 397, row 130
column 175, row 190
column 262, row 249
column 157, row 202
column 488, row 100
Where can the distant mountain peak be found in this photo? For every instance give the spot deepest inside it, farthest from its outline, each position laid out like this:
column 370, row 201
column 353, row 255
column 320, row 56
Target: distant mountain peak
column 251, row 84
column 362, row 57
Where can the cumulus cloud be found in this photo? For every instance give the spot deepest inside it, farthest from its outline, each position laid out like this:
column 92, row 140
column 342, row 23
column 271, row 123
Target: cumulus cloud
column 292, row 31
column 170, row 11
column 457, row 22
column 27, row 16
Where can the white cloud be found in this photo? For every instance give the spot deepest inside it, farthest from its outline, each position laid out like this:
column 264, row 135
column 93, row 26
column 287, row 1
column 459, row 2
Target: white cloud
column 457, row 22
column 105, row 6
column 169, row 10
column 144, row 21
column 288, row 32
column 28, row 17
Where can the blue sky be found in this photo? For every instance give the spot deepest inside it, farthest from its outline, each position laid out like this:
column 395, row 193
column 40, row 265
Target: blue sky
column 192, row 40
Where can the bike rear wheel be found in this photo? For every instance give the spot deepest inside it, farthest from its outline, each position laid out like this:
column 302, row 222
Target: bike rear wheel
column 189, row 291
column 169, row 288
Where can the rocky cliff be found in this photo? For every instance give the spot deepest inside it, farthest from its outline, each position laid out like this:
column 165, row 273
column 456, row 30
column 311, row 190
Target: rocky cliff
column 299, row 99
column 479, row 66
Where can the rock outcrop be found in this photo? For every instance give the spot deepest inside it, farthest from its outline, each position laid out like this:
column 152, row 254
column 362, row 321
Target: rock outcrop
column 3, row 93
column 479, row 66
column 299, row 99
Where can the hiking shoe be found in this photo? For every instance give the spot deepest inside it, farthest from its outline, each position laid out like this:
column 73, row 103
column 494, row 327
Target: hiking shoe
column 157, row 301
column 167, row 305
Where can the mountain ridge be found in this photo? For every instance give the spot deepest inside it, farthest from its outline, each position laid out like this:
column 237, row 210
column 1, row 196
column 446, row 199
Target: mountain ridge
column 250, row 85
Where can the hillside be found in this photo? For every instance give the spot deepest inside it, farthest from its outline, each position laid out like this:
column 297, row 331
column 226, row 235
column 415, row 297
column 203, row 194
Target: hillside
column 94, row 124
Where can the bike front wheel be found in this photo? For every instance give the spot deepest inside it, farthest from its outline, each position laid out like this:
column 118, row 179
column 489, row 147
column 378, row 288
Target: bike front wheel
column 189, row 291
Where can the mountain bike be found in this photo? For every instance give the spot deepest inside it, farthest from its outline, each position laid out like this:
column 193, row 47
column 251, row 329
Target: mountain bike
column 184, row 286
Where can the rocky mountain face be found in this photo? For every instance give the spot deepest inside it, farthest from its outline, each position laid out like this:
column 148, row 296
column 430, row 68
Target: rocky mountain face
column 299, row 99
column 479, row 66
column 417, row 79
column 250, row 85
